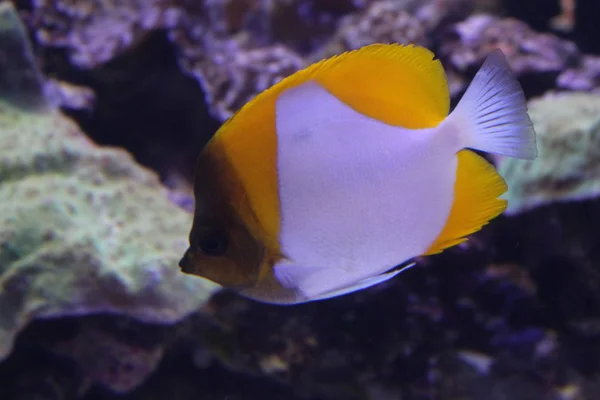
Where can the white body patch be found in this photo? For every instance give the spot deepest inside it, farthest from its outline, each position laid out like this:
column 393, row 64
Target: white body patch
column 357, row 196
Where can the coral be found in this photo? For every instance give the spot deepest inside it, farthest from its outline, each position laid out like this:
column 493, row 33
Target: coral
column 384, row 22
column 230, row 71
column 437, row 14
column 541, row 55
column 565, row 21
column 406, row 21
column 584, row 76
column 301, row 25
column 567, row 168
column 83, row 228
column 541, row 61
column 69, row 96
column 97, row 30
column 237, row 48
column 233, row 48
column 489, row 6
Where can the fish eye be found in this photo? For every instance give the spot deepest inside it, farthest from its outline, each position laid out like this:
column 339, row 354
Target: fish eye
column 214, row 244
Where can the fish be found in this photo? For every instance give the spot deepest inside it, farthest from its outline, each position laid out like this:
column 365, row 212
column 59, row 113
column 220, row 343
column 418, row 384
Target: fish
column 341, row 175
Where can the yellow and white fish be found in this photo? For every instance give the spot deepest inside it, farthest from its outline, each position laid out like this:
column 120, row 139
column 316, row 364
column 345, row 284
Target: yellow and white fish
column 327, row 181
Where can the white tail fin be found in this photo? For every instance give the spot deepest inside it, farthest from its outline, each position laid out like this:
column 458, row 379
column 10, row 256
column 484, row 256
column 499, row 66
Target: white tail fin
column 492, row 114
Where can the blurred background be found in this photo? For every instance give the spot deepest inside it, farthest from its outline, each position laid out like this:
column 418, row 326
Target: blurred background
column 104, row 107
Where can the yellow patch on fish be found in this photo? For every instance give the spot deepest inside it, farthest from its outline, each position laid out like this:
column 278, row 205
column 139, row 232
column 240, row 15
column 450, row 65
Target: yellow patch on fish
column 475, row 203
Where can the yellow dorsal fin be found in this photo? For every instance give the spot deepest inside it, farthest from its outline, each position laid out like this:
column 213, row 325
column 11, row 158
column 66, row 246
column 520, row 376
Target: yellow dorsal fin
column 396, row 84
column 476, row 201
column 399, row 85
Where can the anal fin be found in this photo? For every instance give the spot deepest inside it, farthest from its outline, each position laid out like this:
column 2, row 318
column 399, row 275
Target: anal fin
column 476, row 201
column 362, row 284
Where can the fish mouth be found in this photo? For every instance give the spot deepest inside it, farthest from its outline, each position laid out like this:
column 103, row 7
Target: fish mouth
column 184, row 263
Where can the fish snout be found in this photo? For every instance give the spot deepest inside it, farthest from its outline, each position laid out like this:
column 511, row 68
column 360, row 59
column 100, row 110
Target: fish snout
column 186, row 264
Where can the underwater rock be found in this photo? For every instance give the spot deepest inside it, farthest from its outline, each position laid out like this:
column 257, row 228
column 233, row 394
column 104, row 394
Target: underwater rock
column 442, row 330
column 470, row 375
column 105, row 356
column 568, row 164
column 83, row 228
column 110, row 361
column 19, row 78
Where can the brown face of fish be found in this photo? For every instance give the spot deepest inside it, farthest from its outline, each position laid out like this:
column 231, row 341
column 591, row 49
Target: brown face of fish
column 221, row 248
column 226, row 255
